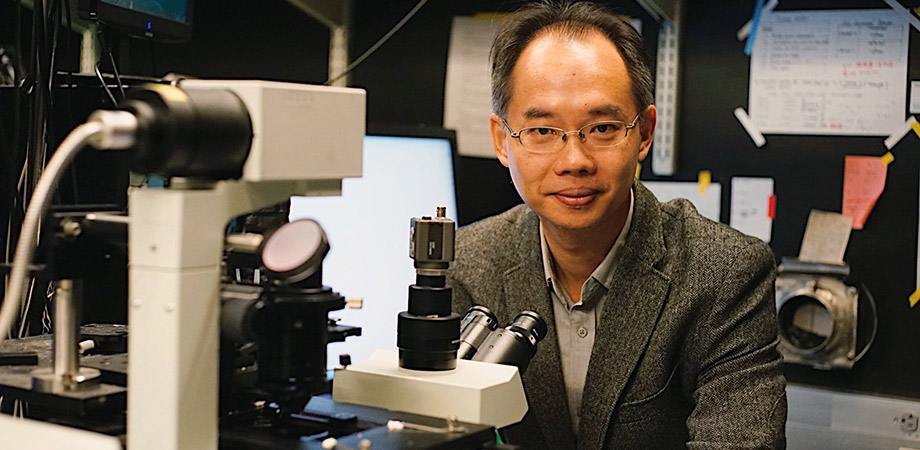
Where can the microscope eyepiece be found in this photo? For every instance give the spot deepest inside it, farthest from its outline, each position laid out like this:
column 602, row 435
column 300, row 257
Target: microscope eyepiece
column 515, row 344
column 477, row 325
column 531, row 325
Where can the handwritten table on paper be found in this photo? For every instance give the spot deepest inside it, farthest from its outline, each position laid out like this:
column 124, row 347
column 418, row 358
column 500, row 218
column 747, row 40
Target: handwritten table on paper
column 863, row 183
column 830, row 72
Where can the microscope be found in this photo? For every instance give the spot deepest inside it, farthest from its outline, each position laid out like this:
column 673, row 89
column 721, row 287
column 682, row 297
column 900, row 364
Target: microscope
column 217, row 363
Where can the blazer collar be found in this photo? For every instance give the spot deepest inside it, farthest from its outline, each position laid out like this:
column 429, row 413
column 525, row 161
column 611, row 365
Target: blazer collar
column 632, row 308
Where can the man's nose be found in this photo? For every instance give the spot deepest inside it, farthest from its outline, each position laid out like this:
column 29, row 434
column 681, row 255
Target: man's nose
column 575, row 157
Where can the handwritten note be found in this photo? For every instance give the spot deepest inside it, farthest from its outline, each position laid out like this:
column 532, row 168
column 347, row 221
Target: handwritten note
column 829, row 72
column 709, row 204
column 751, row 211
column 863, row 183
column 826, row 237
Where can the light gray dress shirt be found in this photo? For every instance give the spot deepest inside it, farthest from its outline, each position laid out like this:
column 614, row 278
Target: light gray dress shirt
column 576, row 323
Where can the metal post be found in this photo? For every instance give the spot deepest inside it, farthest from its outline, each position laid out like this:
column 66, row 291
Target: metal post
column 66, row 330
column 66, row 373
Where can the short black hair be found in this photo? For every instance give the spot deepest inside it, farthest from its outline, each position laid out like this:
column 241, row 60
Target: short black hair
column 572, row 19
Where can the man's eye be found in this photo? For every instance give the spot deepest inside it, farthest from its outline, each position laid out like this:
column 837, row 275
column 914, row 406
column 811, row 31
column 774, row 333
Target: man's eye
column 545, row 131
column 604, row 128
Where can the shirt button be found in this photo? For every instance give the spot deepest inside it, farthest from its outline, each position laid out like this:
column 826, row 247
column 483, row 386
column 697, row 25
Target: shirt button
column 582, row 332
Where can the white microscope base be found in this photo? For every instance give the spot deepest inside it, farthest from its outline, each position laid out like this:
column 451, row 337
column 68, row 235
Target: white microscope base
column 34, row 435
column 474, row 392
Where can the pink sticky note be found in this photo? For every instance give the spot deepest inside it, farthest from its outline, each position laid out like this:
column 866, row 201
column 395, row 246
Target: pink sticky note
column 863, row 183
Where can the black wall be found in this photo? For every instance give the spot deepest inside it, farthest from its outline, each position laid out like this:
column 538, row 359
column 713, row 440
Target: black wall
column 808, row 173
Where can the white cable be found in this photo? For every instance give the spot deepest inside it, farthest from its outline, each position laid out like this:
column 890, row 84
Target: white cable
column 41, row 199
column 380, row 42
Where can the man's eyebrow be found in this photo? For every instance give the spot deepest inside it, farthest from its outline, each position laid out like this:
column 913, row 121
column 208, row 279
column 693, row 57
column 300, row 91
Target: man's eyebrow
column 537, row 113
column 607, row 111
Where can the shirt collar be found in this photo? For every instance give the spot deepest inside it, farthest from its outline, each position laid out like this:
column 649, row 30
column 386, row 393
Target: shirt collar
column 603, row 274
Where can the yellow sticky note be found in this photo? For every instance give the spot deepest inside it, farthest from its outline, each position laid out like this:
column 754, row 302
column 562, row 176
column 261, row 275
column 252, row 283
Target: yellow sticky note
column 916, row 127
column 914, row 298
column 638, row 170
column 704, row 178
column 887, row 158
column 496, row 17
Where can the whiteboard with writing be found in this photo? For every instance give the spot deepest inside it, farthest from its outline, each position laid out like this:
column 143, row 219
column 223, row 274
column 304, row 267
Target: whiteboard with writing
column 829, row 72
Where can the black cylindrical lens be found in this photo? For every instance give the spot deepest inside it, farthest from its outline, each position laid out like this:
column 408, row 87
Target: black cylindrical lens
column 531, row 325
column 478, row 323
column 189, row 133
column 515, row 344
column 427, row 342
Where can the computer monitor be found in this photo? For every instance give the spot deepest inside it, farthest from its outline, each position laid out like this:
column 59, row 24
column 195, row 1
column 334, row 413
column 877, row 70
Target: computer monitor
column 407, row 173
column 162, row 20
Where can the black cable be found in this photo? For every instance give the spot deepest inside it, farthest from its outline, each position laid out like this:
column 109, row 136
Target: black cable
column 36, row 143
column 105, row 86
column 379, row 42
column 108, row 48
column 55, row 15
column 9, row 164
column 17, row 80
column 121, row 87
column 70, row 89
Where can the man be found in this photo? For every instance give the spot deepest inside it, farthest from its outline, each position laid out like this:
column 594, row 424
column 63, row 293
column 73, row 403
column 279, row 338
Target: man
column 662, row 329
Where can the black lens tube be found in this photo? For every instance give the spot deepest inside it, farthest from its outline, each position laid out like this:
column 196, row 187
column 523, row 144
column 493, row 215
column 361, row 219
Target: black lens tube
column 428, row 334
column 515, row 344
column 477, row 325
column 204, row 133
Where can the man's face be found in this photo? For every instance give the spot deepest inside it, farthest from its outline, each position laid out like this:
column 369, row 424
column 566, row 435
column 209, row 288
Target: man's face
column 568, row 83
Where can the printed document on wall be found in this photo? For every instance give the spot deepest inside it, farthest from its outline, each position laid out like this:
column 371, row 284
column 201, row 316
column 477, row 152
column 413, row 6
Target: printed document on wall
column 830, row 72
column 752, row 209
column 467, row 94
column 708, row 203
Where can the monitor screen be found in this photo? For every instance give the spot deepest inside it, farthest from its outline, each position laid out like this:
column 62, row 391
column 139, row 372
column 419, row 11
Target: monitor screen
column 173, row 10
column 368, row 232
column 167, row 20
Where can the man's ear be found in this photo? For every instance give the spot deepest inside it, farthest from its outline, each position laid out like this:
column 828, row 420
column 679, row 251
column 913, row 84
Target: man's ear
column 499, row 138
column 647, row 130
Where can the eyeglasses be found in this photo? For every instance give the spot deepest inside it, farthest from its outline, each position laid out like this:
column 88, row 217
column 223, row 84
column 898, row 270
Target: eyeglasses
column 548, row 140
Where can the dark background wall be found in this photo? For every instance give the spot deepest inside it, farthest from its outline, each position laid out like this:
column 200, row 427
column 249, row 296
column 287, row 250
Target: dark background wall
column 270, row 39
column 808, row 173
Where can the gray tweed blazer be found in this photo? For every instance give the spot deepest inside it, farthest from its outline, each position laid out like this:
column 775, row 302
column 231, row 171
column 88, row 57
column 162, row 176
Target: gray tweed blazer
column 685, row 352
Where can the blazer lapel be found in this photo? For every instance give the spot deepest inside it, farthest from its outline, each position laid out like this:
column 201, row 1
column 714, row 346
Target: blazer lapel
column 631, row 311
column 525, row 290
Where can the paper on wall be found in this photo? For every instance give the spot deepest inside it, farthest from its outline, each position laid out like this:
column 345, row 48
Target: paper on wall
column 863, row 183
column 826, row 237
column 914, row 97
column 708, row 204
column 751, row 206
column 467, row 93
column 829, row 72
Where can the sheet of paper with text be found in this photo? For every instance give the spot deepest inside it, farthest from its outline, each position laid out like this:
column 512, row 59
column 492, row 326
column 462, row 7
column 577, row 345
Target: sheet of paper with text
column 707, row 203
column 752, row 211
column 829, row 72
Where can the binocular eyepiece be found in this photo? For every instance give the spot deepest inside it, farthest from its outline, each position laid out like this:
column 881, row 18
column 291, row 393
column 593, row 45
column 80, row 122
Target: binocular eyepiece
column 482, row 340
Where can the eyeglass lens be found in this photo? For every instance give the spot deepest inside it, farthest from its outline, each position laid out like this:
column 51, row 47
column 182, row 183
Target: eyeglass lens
column 548, row 139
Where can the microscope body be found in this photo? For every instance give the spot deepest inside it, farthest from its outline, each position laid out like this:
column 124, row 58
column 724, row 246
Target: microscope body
column 305, row 140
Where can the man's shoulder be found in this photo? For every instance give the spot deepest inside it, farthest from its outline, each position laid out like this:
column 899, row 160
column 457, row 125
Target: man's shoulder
column 685, row 227
column 492, row 231
column 494, row 242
